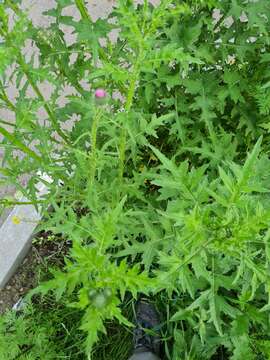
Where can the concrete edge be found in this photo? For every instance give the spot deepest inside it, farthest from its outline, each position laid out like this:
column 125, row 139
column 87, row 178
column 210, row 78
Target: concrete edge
column 16, row 234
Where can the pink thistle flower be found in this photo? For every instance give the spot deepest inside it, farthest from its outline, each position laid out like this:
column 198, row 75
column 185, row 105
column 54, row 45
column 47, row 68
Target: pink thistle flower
column 100, row 94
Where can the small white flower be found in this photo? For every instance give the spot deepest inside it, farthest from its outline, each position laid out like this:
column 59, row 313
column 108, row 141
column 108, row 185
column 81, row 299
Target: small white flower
column 230, row 60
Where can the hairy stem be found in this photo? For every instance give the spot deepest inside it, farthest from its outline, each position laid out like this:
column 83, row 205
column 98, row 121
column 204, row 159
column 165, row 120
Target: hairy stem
column 129, row 102
column 93, row 154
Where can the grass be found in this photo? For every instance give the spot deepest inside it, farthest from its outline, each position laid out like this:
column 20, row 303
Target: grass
column 116, row 344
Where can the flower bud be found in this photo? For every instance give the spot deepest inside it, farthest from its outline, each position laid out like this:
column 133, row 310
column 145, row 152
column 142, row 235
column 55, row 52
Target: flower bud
column 100, row 94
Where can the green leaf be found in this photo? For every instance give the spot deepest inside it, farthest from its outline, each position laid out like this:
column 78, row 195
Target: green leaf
column 92, row 324
column 227, row 180
column 168, row 164
column 181, row 314
column 214, row 308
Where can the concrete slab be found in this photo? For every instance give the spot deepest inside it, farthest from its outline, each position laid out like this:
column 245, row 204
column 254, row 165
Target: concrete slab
column 16, row 234
column 15, row 240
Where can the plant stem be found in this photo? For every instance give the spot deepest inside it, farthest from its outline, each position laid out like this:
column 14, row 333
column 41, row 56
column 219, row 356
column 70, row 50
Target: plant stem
column 94, row 146
column 42, row 99
column 122, row 152
column 212, row 133
column 23, row 65
column 77, row 86
column 123, row 134
column 82, row 9
column 61, row 67
column 85, row 15
column 14, row 7
column 13, row 203
column 5, row 98
column 10, row 137
column 6, row 123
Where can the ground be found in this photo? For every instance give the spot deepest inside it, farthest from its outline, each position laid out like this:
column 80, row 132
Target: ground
column 42, row 255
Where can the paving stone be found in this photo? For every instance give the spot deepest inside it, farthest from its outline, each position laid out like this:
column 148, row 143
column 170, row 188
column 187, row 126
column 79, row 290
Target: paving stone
column 15, row 236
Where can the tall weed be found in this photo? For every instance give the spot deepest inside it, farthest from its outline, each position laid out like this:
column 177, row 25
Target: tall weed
column 164, row 188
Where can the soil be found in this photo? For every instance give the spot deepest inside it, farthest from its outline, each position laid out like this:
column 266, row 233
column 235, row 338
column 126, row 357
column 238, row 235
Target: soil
column 46, row 251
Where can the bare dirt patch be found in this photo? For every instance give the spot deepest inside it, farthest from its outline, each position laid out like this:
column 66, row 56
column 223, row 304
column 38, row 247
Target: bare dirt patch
column 43, row 254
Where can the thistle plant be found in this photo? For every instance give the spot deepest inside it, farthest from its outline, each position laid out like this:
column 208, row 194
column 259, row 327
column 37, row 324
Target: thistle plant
column 164, row 170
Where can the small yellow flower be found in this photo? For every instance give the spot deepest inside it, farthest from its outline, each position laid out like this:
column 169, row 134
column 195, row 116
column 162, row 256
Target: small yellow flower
column 16, row 220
